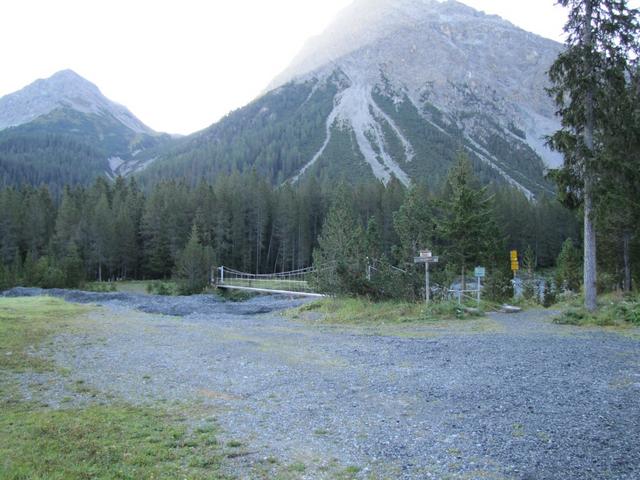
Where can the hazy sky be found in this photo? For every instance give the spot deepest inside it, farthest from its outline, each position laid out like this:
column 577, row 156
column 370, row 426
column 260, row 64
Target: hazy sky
column 180, row 65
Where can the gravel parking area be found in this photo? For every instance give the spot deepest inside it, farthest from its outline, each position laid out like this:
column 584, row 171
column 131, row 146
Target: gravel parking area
column 524, row 399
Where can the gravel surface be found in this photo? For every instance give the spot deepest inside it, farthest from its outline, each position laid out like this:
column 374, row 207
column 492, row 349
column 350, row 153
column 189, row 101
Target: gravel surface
column 522, row 398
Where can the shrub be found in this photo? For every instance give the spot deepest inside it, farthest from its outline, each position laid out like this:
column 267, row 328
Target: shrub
column 548, row 295
column 160, row 288
column 569, row 267
column 498, row 287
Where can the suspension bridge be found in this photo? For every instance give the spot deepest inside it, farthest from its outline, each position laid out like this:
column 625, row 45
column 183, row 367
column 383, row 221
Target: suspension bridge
column 295, row 282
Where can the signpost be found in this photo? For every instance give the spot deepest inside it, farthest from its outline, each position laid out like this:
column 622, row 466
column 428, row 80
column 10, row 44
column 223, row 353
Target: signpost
column 479, row 272
column 515, row 266
column 426, row 257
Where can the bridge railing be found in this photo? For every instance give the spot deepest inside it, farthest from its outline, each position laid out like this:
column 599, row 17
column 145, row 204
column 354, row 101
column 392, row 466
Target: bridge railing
column 295, row 281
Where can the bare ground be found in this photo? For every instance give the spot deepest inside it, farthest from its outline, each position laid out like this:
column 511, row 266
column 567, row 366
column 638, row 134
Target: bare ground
column 508, row 396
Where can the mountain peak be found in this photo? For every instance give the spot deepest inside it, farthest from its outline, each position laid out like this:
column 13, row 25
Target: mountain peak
column 68, row 76
column 64, row 89
column 365, row 22
column 67, row 73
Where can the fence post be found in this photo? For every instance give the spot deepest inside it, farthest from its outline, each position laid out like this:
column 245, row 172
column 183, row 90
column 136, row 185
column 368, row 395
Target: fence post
column 221, row 274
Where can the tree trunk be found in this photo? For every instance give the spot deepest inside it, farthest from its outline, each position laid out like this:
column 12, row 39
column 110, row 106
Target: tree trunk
column 626, row 245
column 590, row 273
column 464, row 280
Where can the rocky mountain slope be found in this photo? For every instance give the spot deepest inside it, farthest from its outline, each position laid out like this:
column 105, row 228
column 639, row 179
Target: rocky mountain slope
column 62, row 129
column 394, row 88
column 63, row 90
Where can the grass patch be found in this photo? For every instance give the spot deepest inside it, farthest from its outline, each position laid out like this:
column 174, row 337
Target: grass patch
column 360, row 311
column 231, row 295
column 25, row 322
column 614, row 311
column 272, row 284
column 155, row 287
column 122, row 442
column 100, row 287
column 115, row 441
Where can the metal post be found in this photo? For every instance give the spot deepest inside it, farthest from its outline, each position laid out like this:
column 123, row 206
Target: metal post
column 478, row 291
column 427, row 292
column 221, row 274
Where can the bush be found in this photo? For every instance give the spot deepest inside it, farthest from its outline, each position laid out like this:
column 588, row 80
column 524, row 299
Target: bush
column 627, row 311
column 6, row 279
column 620, row 312
column 548, row 295
column 193, row 266
column 569, row 267
column 530, row 289
column 161, row 288
column 498, row 287
column 573, row 316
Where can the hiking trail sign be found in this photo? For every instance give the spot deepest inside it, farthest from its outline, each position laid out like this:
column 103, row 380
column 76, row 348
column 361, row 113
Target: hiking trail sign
column 426, row 257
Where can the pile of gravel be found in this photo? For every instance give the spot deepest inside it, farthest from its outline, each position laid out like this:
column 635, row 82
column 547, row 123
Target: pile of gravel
column 177, row 306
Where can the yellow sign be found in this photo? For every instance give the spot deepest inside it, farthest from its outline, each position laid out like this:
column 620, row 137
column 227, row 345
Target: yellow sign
column 514, row 261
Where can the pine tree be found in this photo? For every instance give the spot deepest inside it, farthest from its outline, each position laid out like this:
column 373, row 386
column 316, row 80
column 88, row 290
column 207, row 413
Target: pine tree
column 157, row 254
column 568, row 267
column 102, row 235
column 602, row 38
column 194, row 265
column 67, row 224
column 468, row 226
column 339, row 257
column 415, row 223
column 618, row 209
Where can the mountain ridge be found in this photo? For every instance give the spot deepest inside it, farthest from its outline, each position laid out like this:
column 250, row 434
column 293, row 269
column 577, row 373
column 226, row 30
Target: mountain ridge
column 63, row 89
column 412, row 83
column 48, row 126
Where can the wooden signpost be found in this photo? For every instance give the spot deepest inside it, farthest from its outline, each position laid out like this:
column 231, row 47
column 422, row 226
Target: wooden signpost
column 426, row 257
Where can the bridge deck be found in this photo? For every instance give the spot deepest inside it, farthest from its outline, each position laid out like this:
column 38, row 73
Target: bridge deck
column 270, row 290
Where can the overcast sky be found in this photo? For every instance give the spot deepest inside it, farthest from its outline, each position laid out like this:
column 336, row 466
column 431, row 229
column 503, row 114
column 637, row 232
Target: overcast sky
column 180, row 65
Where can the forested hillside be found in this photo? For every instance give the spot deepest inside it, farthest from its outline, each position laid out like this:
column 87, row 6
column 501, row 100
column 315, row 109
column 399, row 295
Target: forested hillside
column 396, row 98
column 116, row 230
column 62, row 131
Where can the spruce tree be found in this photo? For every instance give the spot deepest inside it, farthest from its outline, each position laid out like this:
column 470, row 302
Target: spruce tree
column 602, row 38
column 194, row 264
column 568, row 275
column 467, row 226
column 415, row 223
column 339, row 257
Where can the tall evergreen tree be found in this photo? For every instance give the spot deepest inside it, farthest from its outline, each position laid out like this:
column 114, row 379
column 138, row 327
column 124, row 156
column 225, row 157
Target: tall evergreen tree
column 467, row 226
column 194, row 265
column 415, row 223
column 339, row 257
column 602, row 38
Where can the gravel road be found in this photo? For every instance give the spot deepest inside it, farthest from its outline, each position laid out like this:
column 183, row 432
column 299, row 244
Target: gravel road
column 513, row 397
